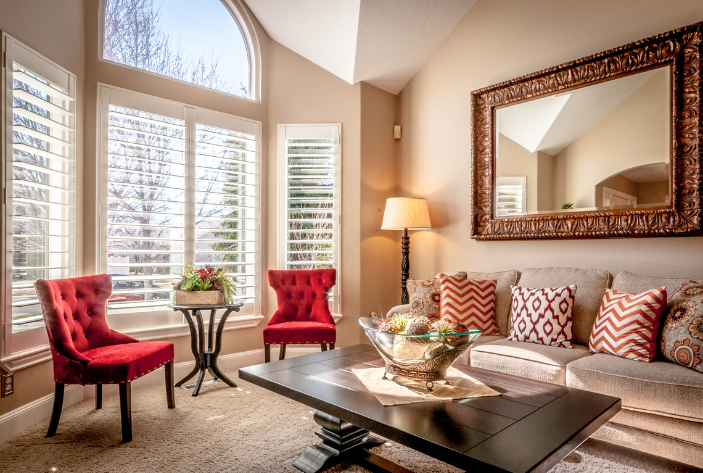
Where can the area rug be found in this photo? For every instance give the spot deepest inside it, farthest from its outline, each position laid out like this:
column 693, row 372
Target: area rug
column 225, row 429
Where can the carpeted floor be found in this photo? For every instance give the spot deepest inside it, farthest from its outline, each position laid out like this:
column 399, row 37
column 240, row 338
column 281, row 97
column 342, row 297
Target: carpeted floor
column 224, row 429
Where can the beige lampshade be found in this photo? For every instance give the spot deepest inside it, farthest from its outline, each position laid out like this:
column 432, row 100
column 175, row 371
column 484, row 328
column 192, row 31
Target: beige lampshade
column 406, row 212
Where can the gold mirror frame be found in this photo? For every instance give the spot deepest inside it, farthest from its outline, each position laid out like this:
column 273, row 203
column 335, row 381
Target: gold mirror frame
column 681, row 50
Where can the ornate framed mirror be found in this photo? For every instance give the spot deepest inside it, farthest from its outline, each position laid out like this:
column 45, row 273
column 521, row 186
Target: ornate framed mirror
column 605, row 146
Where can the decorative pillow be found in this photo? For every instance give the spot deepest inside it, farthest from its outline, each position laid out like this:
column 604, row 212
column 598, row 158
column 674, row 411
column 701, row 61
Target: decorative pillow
column 424, row 294
column 682, row 335
column 424, row 297
column 542, row 316
column 469, row 301
column 627, row 324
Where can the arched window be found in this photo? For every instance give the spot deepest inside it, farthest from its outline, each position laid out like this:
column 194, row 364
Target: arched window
column 203, row 42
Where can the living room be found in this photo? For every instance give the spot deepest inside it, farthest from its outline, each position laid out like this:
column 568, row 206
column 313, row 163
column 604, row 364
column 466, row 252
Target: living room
column 300, row 75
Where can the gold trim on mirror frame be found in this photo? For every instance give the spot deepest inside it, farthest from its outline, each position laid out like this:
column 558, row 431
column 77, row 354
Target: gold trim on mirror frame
column 680, row 49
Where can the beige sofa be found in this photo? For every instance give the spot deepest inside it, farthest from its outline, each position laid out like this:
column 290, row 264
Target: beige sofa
column 661, row 401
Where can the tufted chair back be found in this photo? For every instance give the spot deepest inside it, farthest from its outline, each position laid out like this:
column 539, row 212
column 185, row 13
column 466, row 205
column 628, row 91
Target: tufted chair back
column 301, row 295
column 74, row 312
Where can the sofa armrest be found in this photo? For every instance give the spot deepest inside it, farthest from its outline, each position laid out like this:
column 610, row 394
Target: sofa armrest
column 399, row 309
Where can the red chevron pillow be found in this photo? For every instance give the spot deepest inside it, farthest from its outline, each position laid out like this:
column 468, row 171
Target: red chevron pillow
column 627, row 324
column 469, row 301
column 542, row 316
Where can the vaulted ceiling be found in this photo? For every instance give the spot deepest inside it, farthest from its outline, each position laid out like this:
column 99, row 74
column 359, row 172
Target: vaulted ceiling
column 381, row 42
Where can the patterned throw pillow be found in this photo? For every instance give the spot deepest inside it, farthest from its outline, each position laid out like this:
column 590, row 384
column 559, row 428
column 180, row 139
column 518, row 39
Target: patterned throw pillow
column 682, row 335
column 424, row 297
column 627, row 324
column 424, row 294
column 542, row 316
column 469, row 301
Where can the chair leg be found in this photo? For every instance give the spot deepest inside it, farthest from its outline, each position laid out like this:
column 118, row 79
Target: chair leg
column 323, row 346
column 267, row 352
column 282, row 353
column 332, row 346
column 170, row 398
column 126, row 411
column 98, row 396
column 56, row 412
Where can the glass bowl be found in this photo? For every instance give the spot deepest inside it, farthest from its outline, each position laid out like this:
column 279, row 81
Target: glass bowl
column 421, row 357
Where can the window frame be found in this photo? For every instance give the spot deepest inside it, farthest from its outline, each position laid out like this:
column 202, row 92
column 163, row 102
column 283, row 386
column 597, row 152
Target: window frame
column 242, row 20
column 300, row 132
column 22, row 349
column 169, row 323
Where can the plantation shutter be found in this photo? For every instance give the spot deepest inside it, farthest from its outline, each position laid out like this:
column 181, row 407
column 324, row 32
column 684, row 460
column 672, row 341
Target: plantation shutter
column 225, row 204
column 510, row 196
column 40, row 195
column 311, row 195
column 146, row 206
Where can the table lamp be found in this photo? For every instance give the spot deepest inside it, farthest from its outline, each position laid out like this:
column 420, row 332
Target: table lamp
column 405, row 213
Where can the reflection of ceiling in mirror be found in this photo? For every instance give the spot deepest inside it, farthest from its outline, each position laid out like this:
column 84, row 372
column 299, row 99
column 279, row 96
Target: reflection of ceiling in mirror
column 551, row 123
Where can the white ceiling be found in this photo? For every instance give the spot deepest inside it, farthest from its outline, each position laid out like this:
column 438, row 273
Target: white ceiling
column 381, row 42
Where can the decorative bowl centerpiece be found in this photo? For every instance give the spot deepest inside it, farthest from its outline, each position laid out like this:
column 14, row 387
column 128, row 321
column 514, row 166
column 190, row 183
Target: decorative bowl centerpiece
column 418, row 347
column 205, row 286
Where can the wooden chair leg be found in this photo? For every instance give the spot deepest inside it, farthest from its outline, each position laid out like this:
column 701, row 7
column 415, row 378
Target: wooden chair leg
column 332, row 346
column 56, row 412
column 126, row 411
column 282, row 353
column 267, row 352
column 98, row 396
column 323, row 346
column 170, row 398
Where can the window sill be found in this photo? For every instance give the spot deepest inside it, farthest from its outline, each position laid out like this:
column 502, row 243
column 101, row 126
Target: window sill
column 34, row 356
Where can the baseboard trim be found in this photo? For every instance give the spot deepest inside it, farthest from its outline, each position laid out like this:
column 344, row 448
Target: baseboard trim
column 39, row 410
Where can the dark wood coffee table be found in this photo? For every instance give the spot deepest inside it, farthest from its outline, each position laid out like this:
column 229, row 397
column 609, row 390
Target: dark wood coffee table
column 529, row 428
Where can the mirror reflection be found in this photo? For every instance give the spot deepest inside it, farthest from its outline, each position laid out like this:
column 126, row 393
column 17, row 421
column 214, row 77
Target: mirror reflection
column 603, row 146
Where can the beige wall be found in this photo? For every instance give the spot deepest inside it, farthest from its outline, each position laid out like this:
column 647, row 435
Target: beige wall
column 499, row 40
column 633, row 134
column 302, row 92
column 380, row 249
column 514, row 160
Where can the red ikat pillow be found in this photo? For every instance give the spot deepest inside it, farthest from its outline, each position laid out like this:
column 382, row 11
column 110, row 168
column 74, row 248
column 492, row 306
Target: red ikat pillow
column 627, row 324
column 469, row 301
column 542, row 316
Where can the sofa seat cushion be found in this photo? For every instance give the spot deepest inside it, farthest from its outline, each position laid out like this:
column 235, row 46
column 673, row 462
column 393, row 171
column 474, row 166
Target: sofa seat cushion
column 529, row 360
column 482, row 340
column 590, row 287
column 660, row 387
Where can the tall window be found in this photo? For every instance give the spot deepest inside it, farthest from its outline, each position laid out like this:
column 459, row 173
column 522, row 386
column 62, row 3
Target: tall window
column 310, row 192
column 203, row 42
column 180, row 185
column 39, row 124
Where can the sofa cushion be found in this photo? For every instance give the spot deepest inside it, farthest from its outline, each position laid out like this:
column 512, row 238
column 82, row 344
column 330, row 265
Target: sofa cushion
column 482, row 340
column 543, row 315
column 628, row 324
column 636, row 283
column 503, row 279
column 529, row 360
column 590, row 287
column 659, row 387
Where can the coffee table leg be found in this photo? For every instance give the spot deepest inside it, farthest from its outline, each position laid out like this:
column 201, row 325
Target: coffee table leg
column 341, row 441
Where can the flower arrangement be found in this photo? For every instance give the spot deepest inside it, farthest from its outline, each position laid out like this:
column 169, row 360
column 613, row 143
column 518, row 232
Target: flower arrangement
column 206, row 279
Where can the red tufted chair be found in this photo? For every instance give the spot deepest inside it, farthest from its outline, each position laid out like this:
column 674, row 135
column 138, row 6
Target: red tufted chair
column 86, row 351
column 303, row 314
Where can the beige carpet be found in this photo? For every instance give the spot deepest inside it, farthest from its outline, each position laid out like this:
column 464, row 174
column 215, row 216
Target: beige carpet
column 231, row 430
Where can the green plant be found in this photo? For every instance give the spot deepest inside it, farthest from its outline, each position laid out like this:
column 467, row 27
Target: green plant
column 206, row 279
column 568, row 205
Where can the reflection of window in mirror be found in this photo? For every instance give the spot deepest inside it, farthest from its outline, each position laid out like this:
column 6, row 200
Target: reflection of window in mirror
column 572, row 145
column 511, row 198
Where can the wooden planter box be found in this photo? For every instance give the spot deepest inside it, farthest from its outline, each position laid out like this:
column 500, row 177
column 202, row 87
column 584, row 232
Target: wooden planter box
column 199, row 297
